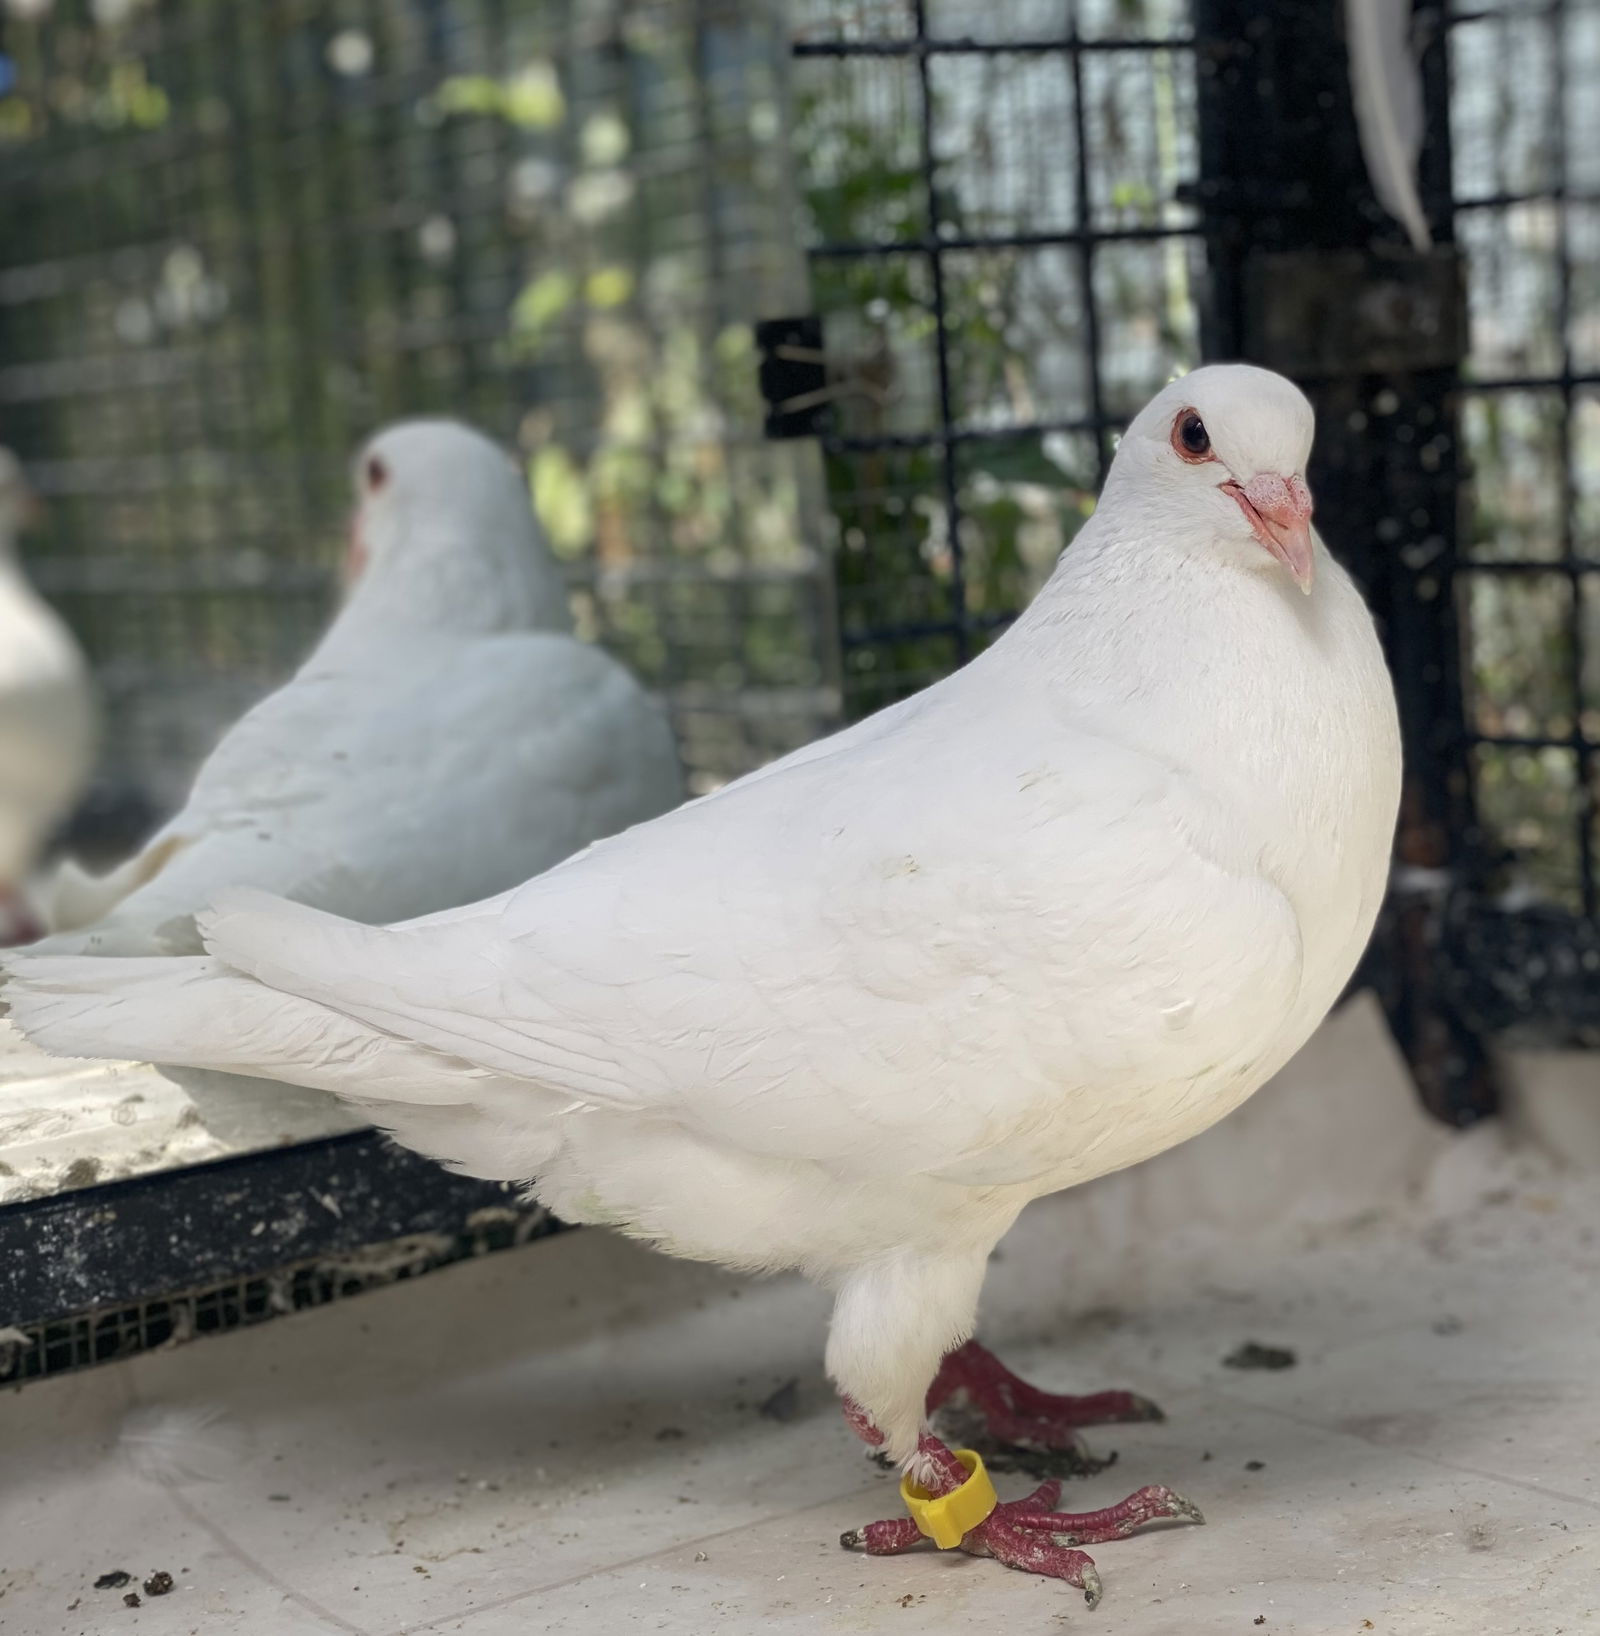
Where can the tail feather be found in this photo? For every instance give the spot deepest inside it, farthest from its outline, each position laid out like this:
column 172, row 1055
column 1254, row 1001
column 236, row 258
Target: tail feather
column 291, row 993
column 436, row 989
column 194, row 1013
column 293, row 947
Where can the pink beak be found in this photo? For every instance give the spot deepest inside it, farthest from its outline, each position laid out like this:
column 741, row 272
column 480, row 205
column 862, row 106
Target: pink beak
column 1279, row 512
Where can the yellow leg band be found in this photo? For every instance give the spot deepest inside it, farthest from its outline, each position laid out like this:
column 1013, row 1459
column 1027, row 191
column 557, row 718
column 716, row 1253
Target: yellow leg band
column 948, row 1519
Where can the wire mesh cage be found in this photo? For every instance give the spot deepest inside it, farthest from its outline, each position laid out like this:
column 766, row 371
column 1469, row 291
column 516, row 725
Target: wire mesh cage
column 235, row 238
column 1525, row 114
column 1005, row 265
column 62, row 1345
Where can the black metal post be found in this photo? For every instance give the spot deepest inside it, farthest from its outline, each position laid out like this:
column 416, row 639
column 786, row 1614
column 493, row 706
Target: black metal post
column 1310, row 276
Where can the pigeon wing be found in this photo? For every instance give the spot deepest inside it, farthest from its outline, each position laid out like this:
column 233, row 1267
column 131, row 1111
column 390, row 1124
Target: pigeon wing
column 925, row 982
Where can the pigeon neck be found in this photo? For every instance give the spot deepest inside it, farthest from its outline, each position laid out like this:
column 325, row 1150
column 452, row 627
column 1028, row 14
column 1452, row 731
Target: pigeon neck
column 1188, row 656
column 455, row 587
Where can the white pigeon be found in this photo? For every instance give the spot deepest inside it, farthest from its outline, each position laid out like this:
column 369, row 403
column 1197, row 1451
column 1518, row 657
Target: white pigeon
column 47, row 715
column 850, row 1014
column 447, row 737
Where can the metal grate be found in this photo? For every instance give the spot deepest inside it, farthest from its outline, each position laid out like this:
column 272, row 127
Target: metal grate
column 1525, row 111
column 36, row 1350
column 237, row 234
column 1005, row 264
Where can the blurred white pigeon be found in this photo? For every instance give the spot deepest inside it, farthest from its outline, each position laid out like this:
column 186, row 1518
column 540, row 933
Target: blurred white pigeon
column 447, row 737
column 47, row 715
column 1058, row 912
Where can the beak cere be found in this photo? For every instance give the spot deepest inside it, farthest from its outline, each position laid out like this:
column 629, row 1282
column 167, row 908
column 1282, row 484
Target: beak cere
column 1279, row 513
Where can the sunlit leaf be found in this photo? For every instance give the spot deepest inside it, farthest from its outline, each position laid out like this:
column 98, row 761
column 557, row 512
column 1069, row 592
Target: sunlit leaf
column 561, row 498
column 540, row 303
column 533, row 98
column 608, row 287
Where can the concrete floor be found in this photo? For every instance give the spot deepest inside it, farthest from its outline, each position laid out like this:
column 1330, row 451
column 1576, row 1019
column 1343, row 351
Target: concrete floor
column 567, row 1438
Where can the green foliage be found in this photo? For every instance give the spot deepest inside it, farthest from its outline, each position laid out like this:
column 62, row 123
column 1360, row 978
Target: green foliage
column 530, row 99
column 1013, row 330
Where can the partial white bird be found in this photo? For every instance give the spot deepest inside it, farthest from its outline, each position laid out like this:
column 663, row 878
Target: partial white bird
column 1386, row 84
column 47, row 715
column 850, row 1014
column 446, row 738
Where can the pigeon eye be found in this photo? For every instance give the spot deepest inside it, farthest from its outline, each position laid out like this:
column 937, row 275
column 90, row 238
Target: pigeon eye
column 377, row 474
column 1190, row 437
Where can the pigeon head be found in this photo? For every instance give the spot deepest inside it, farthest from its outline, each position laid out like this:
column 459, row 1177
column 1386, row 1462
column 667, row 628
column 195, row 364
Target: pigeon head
column 443, row 532
column 417, row 482
column 1229, row 444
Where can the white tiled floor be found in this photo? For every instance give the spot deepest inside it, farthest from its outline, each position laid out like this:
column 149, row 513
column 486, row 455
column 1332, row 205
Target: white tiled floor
column 566, row 1438
column 67, row 1124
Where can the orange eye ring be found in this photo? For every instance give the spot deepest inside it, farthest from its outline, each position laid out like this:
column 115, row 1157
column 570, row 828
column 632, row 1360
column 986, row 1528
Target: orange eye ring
column 1191, row 442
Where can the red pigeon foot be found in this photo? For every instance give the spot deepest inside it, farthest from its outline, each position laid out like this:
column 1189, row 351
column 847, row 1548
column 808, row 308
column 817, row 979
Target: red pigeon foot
column 1028, row 1533
column 1011, row 1411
